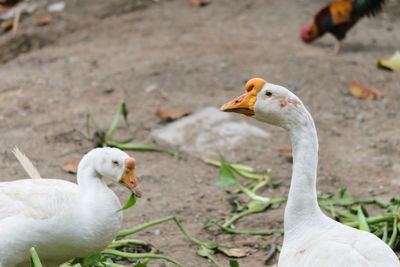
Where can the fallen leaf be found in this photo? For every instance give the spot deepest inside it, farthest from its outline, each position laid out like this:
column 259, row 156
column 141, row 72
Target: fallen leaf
column 198, row 3
column 362, row 91
column 43, row 20
column 3, row 9
column 392, row 63
column 71, row 166
column 234, row 252
column 170, row 115
column 7, row 25
column 287, row 149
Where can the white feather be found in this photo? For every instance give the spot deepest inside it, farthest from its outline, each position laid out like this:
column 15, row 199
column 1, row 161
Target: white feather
column 26, row 164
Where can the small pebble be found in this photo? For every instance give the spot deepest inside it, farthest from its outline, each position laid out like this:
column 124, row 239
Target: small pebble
column 371, row 190
column 157, row 232
column 386, row 163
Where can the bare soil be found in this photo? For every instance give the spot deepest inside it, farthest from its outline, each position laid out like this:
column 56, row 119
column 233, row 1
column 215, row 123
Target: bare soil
column 167, row 54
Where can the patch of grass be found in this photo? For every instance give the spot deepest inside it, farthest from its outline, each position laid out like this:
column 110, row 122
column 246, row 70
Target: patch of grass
column 349, row 211
column 254, row 203
column 117, row 251
column 103, row 139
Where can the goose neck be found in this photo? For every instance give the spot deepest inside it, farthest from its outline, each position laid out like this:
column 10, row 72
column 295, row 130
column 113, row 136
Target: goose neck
column 302, row 205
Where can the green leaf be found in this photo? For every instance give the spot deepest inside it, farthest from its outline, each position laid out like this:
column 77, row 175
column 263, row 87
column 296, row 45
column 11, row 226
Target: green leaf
column 205, row 252
column 131, row 201
column 124, row 112
column 113, row 126
column 226, row 176
column 258, row 206
column 139, row 264
column 35, row 261
column 233, row 263
column 91, row 260
column 362, row 222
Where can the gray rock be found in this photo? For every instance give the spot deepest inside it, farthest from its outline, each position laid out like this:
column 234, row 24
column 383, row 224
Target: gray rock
column 208, row 131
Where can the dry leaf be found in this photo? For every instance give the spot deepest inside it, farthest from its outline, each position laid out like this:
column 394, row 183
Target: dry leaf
column 392, row 63
column 170, row 115
column 287, row 149
column 362, row 91
column 71, row 166
column 43, row 20
column 198, row 3
column 7, row 25
column 3, row 9
column 234, row 252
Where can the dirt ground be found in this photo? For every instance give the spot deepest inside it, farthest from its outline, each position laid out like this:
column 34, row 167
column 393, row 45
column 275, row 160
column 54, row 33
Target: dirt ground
column 167, row 54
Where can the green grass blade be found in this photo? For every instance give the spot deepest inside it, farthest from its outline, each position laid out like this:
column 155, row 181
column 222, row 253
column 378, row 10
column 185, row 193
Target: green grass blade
column 35, row 261
column 140, row 147
column 113, row 126
column 124, row 112
column 362, row 222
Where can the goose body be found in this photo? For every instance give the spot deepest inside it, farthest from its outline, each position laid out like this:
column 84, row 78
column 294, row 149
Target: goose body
column 61, row 219
column 311, row 238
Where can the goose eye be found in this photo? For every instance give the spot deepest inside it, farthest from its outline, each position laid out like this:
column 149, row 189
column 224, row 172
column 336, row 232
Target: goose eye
column 115, row 162
column 268, row 93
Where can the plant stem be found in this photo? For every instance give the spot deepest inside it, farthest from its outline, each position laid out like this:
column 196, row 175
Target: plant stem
column 211, row 258
column 385, row 232
column 112, row 264
column 393, row 238
column 251, row 194
column 35, row 261
column 141, row 147
column 371, row 220
column 259, row 185
column 127, row 242
column 140, row 256
column 156, row 222
column 233, row 231
column 239, row 167
column 236, row 217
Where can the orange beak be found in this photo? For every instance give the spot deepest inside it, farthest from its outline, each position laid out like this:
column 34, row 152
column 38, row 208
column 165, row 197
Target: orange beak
column 129, row 179
column 244, row 104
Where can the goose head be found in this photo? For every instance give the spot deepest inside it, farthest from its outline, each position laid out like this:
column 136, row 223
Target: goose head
column 114, row 165
column 269, row 103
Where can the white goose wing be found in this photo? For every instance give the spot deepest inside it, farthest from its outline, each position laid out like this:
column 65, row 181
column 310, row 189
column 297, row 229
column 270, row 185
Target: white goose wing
column 36, row 198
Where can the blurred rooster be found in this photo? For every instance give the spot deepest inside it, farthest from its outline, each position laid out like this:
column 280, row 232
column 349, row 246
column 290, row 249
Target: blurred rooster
column 338, row 17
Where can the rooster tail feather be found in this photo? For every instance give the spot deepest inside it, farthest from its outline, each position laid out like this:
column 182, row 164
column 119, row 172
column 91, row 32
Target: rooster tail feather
column 367, row 7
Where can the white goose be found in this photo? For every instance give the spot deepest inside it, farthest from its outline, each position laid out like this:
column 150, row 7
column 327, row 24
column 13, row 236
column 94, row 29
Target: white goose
column 63, row 220
column 311, row 238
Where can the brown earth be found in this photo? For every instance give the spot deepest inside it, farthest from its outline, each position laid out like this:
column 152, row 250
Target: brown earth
column 167, row 54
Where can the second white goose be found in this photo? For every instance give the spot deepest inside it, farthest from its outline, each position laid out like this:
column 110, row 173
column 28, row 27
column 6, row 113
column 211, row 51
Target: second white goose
column 311, row 238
